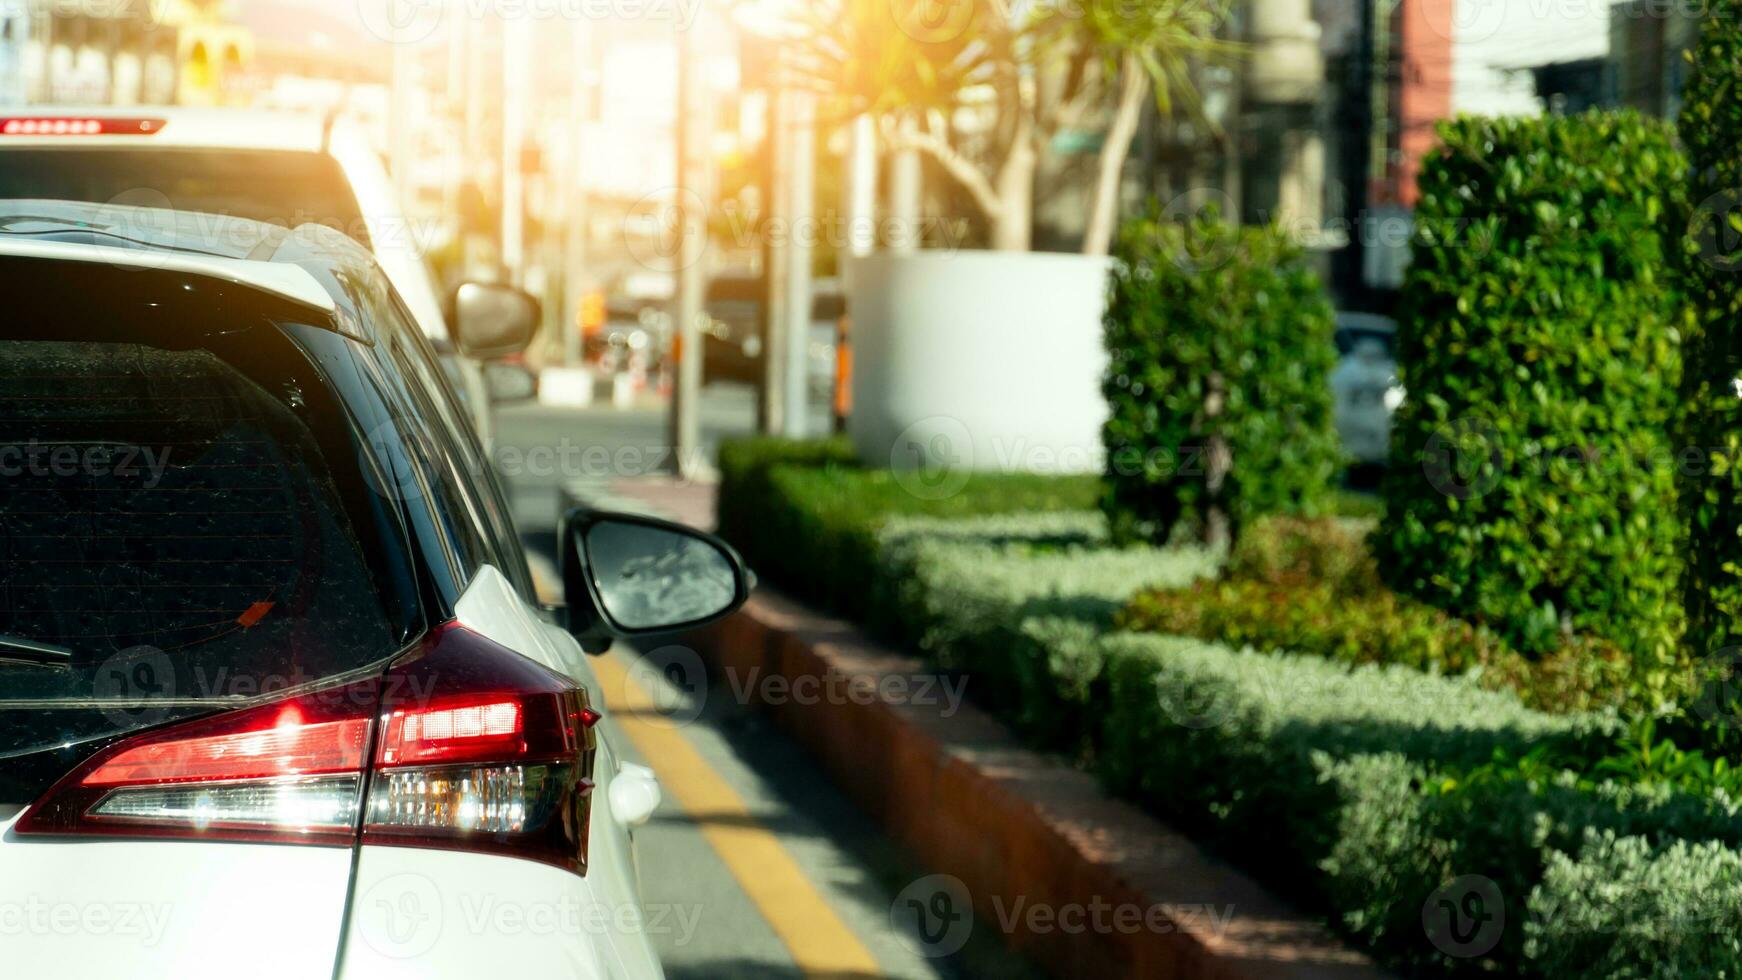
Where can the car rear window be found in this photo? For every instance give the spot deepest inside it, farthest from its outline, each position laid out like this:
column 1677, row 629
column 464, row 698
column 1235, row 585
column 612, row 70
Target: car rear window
column 188, row 530
column 282, row 187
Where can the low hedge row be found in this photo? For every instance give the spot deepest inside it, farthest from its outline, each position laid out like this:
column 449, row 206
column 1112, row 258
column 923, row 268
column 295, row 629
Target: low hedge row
column 1019, row 602
column 805, row 514
column 1375, row 793
column 1365, row 792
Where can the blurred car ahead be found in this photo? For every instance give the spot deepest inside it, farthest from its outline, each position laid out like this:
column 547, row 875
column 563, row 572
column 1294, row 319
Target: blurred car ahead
column 1364, row 385
column 284, row 169
column 732, row 337
column 280, row 699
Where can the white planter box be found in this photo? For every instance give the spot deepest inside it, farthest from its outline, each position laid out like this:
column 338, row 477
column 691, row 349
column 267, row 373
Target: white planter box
column 978, row 361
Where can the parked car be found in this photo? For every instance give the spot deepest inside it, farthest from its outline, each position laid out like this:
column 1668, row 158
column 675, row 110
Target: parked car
column 1364, row 384
column 732, row 337
column 280, row 698
column 285, row 169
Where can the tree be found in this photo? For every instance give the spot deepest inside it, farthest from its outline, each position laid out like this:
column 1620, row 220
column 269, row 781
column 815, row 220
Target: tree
column 923, row 68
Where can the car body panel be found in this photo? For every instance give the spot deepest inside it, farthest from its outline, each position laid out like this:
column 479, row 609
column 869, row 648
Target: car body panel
column 98, row 909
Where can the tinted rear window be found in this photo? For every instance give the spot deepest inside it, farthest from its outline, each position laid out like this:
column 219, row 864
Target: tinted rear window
column 190, row 526
column 286, row 188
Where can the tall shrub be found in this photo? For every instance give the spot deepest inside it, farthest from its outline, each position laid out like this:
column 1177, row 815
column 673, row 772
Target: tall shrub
column 1220, row 405
column 1711, row 130
column 1532, row 474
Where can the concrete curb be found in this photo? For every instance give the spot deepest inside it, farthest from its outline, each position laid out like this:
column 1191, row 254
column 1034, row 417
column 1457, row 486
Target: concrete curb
column 962, row 794
column 968, row 800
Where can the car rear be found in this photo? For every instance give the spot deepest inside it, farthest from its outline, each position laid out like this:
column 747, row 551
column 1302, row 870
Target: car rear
column 227, row 676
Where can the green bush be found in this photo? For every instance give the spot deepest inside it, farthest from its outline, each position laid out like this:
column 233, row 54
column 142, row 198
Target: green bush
column 1532, row 479
column 1198, row 310
column 1711, row 129
column 805, row 515
column 1363, row 791
column 1624, row 908
column 1380, row 627
column 1020, row 603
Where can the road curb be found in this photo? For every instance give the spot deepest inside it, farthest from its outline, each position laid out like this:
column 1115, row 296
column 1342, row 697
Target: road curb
column 962, row 794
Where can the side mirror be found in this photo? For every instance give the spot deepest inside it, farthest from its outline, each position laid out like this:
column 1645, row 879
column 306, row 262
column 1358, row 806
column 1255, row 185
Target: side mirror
column 493, row 320
column 625, row 575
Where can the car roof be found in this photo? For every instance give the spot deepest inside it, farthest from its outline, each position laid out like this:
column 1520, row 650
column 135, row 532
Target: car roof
column 311, row 265
column 175, row 126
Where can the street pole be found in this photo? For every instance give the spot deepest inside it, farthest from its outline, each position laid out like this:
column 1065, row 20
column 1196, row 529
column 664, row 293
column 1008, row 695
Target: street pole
column 776, row 239
column 516, row 73
column 859, row 205
column 693, row 129
column 801, row 203
column 575, row 243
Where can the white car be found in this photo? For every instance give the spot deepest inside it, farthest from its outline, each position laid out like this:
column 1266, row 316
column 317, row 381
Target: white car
column 276, row 696
column 1364, row 385
column 286, row 169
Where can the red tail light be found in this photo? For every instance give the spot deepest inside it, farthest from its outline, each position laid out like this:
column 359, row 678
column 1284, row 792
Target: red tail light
column 474, row 747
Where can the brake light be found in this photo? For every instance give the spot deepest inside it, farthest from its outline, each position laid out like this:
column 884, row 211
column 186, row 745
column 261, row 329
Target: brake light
column 463, row 745
column 74, row 126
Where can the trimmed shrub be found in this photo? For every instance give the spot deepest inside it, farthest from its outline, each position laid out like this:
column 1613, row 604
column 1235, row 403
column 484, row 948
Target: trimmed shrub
column 1221, row 358
column 805, row 515
column 1711, row 129
column 1380, row 627
column 1364, row 791
column 1624, row 908
column 1021, row 603
column 1532, row 480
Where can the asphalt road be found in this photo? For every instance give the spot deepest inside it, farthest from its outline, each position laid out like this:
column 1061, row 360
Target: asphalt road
column 756, row 864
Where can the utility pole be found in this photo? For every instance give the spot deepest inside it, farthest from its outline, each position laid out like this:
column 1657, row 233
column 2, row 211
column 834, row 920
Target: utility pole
column 516, row 74
column 801, row 203
column 694, row 126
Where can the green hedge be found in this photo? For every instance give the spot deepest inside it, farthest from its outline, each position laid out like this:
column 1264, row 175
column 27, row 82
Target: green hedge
column 1711, row 277
column 1364, row 792
column 1209, row 307
column 806, row 515
column 1532, row 479
column 1020, row 603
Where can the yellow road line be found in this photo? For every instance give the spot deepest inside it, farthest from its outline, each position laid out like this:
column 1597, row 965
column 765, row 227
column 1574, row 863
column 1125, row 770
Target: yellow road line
column 820, row 943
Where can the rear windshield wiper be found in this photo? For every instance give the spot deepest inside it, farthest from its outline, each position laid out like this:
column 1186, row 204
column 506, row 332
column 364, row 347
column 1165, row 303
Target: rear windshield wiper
column 17, row 648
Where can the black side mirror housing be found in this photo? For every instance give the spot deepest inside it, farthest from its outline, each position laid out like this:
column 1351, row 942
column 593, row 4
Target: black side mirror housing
column 626, row 575
column 493, row 320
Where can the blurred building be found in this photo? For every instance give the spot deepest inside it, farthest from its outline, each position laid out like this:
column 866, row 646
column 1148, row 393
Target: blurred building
column 102, row 54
